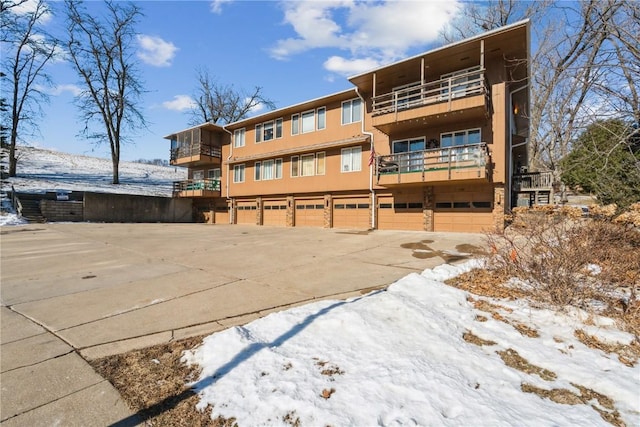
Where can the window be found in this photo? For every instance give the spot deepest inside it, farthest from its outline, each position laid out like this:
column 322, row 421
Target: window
column 238, row 138
column 278, row 168
column 320, row 163
column 214, row 173
column 267, row 169
column 238, row 173
column 308, row 124
column 460, row 138
column 410, row 155
column 267, row 131
column 307, row 163
column 320, row 118
column 351, row 111
column 351, row 159
column 258, row 133
column 198, row 175
column 256, row 169
column 295, row 124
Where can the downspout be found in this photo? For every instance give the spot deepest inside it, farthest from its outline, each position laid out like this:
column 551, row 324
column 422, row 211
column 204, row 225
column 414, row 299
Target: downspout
column 371, row 166
column 226, row 182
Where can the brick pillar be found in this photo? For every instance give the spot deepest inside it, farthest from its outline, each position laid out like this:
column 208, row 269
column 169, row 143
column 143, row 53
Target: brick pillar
column 291, row 209
column 233, row 211
column 429, row 204
column 498, row 207
column 328, row 211
column 259, row 212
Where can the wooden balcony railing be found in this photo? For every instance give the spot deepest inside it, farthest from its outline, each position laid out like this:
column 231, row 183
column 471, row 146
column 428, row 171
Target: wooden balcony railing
column 195, row 150
column 443, row 90
column 533, row 181
column 196, row 185
column 434, row 161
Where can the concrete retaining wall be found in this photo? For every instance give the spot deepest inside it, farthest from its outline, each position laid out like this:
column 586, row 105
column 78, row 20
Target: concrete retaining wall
column 66, row 211
column 102, row 207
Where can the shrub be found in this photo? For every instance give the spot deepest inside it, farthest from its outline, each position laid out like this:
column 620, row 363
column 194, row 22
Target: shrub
column 569, row 260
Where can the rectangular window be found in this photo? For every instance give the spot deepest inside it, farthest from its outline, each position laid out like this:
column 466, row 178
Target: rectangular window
column 267, row 131
column 267, row 169
column 278, row 128
column 238, row 138
column 351, row 111
column 258, row 133
column 307, row 165
column 320, row 163
column 295, row 124
column 351, row 159
column 460, row 138
column 294, row 165
column 198, row 175
column 308, row 124
column 214, row 173
column 238, row 173
column 278, row 168
column 256, row 169
column 321, row 118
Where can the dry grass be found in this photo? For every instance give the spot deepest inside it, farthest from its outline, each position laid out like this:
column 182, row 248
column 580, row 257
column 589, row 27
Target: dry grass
column 627, row 354
column 511, row 358
column 474, row 339
column 153, row 383
column 605, row 406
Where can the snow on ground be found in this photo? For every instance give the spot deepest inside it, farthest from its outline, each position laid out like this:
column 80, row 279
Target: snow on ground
column 398, row 357
column 41, row 170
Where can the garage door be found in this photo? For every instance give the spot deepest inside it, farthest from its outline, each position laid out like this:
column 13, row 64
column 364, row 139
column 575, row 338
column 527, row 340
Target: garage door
column 246, row 213
column 275, row 212
column 221, row 215
column 399, row 214
column 351, row 213
column 309, row 213
column 467, row 211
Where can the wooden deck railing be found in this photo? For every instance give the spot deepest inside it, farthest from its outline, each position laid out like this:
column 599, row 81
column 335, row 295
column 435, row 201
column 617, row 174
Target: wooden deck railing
column 196, row 185
column 533, row 181
column 443, row 90
column 449, row 158
column 195, row 150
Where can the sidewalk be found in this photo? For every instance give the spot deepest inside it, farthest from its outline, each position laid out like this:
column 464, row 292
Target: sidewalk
column 72, row 292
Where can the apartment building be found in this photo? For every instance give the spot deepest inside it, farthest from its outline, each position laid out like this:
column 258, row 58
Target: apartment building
column 428, row 143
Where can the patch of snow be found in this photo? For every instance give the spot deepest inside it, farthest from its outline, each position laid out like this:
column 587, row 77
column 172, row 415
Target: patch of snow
column 594, row 269
column 398, row 357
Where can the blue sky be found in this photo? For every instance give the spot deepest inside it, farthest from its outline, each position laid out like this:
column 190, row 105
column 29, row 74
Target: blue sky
column 294, row 50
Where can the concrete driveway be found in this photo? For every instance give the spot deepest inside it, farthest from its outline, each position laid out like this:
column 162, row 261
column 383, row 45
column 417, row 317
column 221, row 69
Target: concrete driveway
column 71, row 292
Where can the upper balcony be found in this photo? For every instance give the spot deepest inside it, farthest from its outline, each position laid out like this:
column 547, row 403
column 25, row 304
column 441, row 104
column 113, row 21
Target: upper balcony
column 458, row 163
column 464, row 92
column 197, row 188
column 533, row 181
column 195, row 154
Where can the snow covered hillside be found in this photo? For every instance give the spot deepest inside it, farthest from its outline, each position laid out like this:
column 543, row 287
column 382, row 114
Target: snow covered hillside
column 42, row 170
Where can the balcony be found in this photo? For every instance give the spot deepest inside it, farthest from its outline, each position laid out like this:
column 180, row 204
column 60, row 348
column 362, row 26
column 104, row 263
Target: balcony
column 459, row 163
column 533, row 181
column 197, row 188
column 465, row 93
column 195, row 154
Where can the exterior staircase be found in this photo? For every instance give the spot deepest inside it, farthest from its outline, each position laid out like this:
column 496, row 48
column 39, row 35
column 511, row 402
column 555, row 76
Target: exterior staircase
column 533, row 188
column 31, row 207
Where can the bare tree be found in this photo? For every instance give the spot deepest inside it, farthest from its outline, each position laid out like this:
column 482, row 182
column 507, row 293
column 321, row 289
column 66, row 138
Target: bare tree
column 584, row 66
column 216, row 103
column 26, row 51
column 101, row 51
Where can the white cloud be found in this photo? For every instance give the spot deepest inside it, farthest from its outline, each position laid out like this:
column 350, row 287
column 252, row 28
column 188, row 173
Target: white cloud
column 156, row 51
column 179, row 103
column 60, row 89
column 348, row 67
column 372, row 32
column 216, row 5
column 30, row 6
